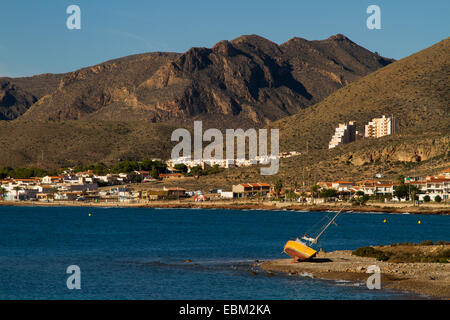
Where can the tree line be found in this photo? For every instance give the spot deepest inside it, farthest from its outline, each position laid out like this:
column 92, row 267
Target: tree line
column 154, row 167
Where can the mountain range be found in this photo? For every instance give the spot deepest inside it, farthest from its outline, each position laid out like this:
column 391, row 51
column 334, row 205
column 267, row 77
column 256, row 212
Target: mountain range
column 415, row 90
column 249, row 81
column 126, row 108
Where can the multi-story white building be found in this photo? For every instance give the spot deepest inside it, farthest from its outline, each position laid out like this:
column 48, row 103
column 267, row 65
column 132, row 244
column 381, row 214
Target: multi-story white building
column 345, row 133
column 380, row 127
column 434, row 186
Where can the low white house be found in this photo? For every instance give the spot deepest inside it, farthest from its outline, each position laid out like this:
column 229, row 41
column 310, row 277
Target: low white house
column 226, row 194
column 342, row 186
column 16, row 192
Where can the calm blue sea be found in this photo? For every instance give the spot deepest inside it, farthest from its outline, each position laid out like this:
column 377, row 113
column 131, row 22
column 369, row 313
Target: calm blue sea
column 140, row 253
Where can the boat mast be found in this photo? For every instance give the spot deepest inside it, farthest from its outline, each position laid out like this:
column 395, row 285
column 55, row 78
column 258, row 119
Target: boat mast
column 314, row 240
column 326, row 227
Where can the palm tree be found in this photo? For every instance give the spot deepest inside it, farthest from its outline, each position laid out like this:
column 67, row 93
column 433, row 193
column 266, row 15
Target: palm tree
column 314, row 191
column 2, row 193
column 413, row 190
column 53, row 191
column 291, row 195
column 17, row 189
column 303, row 195
column 278, row 187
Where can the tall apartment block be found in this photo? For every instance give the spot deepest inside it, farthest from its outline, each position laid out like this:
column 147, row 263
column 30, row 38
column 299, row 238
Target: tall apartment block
column 380, row 127
column 345, row 133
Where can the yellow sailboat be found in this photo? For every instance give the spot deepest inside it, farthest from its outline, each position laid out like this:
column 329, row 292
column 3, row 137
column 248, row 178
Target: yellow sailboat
column 299, row 250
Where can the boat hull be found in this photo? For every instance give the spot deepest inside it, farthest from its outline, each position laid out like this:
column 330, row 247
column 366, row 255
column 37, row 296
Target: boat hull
column 299, row 251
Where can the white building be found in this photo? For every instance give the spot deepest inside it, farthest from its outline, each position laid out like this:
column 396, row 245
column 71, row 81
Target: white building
column 380, row 127
column 345, row 133
column 73, row 179
column 19, row 192
column 342, row 186
column 434, row 186
column 226, row 194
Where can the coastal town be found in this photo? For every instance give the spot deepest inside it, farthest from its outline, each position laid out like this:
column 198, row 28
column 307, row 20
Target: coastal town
column 156, row 179
column 140, row 187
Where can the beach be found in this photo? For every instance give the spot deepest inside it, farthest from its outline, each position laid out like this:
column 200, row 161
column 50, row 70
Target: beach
column 429, row 279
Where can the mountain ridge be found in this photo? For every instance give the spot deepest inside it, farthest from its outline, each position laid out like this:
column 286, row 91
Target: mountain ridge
column 250, row 80
column 126, row 108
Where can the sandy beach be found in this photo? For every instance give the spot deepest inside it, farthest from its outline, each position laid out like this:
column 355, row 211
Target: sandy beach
column 430, row 279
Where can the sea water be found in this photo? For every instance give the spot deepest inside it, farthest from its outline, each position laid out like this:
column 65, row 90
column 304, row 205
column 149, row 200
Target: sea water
column 142, row 253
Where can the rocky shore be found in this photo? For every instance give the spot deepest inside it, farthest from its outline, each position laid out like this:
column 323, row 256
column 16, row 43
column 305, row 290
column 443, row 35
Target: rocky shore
column 249, row 205
column 430, row 279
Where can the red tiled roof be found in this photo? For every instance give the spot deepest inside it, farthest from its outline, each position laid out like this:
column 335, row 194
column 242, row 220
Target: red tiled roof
column 170, row 174
column 328, row 184
column 368, row 181
column 253, row 185
column 434, row 180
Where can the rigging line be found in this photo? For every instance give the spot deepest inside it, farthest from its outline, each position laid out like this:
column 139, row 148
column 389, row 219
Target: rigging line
column 325, row 217
column 317, row 223
column 314, row 241
column 332, row 220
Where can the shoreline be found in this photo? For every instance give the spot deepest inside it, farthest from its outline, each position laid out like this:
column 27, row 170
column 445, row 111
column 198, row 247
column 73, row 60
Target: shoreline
column 428, row 279
column 243, row 205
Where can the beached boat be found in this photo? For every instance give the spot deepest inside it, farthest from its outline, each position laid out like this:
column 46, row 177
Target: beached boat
column 299, row 250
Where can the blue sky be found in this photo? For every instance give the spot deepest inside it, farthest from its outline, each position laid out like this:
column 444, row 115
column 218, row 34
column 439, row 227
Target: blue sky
column 34, row 38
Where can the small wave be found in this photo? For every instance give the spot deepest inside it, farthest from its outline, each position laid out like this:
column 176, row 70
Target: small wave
column 307, row 275
column 347, row 283
column 342, row 281
column 366, row 212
